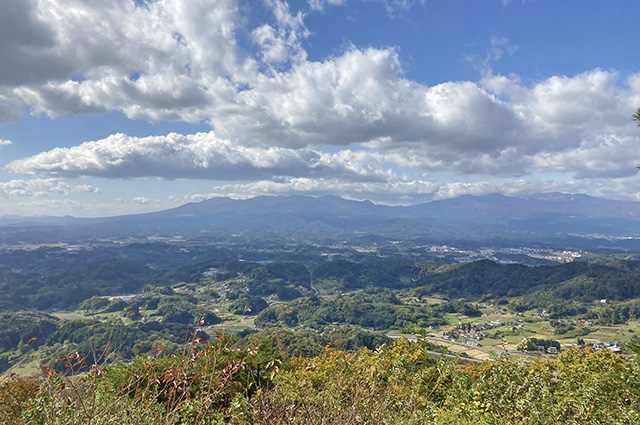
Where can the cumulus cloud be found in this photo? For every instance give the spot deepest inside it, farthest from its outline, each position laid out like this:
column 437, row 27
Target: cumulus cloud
column 5, row 142
column 282, row 42
column 620, row 188
column 397, row 190
column 558, row 106
column 183, row 61
column 598, row 157
column 163, row 57
column 274, row 112
column 498, row 127
column 201, row 156
column 86, row 188
column 142, row 200
column 41, row 187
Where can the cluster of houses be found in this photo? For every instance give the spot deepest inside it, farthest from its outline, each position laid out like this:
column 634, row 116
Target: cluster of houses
column 222, row 292
column 469, row 342
column 471, row 333
column 549, row 350
column 615, row 347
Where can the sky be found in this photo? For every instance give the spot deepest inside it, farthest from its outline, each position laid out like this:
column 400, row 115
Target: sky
column 127, row 106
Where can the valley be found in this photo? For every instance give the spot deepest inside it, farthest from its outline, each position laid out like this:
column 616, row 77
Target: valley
column 461, row 311
column 139, row 295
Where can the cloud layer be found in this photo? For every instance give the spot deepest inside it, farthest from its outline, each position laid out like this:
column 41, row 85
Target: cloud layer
column 282, row 123
column 198, row 156
column 42, row 187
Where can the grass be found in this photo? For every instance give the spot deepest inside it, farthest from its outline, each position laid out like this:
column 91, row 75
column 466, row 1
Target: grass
column 534, row 326
column 452, row 319
column 603, row 335
column 28, row 366
column 433, row 300
column 491, row 342
column 539, row 327
column 69, row 315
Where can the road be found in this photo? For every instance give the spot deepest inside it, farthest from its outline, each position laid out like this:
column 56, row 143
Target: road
column 311, row 284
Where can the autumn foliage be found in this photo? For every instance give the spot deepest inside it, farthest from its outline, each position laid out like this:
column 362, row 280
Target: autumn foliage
column 217, row 382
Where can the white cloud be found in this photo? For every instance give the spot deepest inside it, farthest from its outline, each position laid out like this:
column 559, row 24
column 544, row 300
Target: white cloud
column 401, row 190
column 510, row 188
column 559, row 106
column 397, row 190
column 86, row 188
column 602, row 156
column 45, row 207
column 41, row 187
column 5, row 142
column 283, row 42
column 142, row 200
column 198, row 156
column 178, row 53
column 183, row 61
column 498, row 128
column 274, row 112
column 394, row 7
column 320, row 4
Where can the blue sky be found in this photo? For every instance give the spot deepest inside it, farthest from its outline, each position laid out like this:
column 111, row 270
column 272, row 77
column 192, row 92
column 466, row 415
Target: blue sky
column 120, row 107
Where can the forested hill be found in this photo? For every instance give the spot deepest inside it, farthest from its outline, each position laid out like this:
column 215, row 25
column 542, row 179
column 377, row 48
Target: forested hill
column 616, row 280
column 581, row 281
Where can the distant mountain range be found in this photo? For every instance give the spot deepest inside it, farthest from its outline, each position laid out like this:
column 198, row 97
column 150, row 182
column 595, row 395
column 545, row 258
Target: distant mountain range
column 467, row 217
column 541, row 213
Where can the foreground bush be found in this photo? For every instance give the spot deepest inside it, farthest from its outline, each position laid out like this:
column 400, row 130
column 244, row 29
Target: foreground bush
column 401, row 383
column 202, row 386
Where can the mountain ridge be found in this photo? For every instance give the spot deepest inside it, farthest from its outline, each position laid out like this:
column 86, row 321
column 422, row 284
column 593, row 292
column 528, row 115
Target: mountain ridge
column 493, row 214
